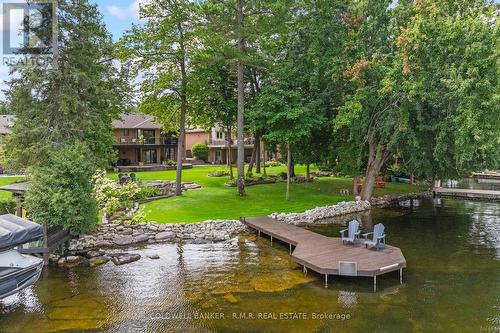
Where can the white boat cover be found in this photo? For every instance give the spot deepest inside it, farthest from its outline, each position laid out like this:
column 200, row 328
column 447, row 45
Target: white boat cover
column 16, row 231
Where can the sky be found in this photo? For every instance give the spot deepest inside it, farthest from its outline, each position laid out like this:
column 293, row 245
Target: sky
column 118, row 16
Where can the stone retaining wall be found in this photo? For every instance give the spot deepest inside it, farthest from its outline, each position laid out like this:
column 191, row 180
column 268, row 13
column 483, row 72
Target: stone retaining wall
column 312, row 215
column 392, row 200
column 113, row 235
column 344, row 208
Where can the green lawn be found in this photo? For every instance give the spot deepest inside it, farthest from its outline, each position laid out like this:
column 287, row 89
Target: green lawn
column 216, row 201
column 5, row 181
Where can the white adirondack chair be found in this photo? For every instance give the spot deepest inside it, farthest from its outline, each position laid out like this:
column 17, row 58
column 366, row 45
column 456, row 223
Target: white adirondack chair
column 378, row 237
column 350, row 234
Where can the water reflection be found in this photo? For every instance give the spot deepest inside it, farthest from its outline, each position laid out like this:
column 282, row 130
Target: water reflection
column 452, row 283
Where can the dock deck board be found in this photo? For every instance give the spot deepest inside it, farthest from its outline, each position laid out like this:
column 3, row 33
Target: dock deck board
column 322, row 254
column 472, row 194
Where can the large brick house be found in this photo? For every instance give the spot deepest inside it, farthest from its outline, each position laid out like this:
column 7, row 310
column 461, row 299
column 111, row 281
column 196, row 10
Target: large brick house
column 139, row 141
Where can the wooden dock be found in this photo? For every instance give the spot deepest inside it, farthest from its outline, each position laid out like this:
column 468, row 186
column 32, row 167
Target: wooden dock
column 327, row 255
column 469, row 194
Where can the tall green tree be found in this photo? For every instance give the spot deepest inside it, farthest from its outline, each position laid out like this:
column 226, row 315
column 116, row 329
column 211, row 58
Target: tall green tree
column 160, row 51
column 370, row 115
column 237, row 29
column 71, row 99
column 214, row 96
column 286, row 118
column 446, row 69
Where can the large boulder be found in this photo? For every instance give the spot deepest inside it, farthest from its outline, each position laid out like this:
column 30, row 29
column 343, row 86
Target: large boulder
column 71, row 261
column 164, row 235
column 124, row 258
column 96, row 261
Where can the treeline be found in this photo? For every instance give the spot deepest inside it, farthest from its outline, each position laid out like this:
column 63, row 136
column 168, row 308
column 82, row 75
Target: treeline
column 351, row 85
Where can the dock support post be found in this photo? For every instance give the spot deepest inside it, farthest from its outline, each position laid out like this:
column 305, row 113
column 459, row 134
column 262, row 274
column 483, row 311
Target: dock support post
column 326, row 280
column 271, row 240
column 304, row 269
column 290, row 248
column 258, row 234
column 374, row 283
column 401, row 275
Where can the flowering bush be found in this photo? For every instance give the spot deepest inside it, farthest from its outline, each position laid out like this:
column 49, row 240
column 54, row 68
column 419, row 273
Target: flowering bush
column 110, row 197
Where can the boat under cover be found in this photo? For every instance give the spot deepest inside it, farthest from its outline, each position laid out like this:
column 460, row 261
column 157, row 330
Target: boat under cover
column 17, row 271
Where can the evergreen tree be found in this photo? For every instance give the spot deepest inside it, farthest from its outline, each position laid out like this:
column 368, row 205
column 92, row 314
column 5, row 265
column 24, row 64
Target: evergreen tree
column 67, row 102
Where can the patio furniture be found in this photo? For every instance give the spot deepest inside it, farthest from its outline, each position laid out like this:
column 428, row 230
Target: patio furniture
column 378, row 237
column 380, row 182
column 352, row 232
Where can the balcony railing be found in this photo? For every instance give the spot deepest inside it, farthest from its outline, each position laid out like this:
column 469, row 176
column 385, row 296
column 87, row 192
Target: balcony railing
column 223, row 142
column 136, row 141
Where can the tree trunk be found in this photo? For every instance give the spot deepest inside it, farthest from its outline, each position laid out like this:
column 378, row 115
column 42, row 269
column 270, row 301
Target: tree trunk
column 308, row 172
column 181, row 151
column 254, row 157
column 241, row 107
column 257, row 155
column 355, row 181
column 265, row 160
column 292, row 165
column 229, row 152
column 378, row 155
column 289, row 169
column 412, row 178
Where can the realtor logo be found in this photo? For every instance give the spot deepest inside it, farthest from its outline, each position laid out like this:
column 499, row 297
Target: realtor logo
column 29, row 28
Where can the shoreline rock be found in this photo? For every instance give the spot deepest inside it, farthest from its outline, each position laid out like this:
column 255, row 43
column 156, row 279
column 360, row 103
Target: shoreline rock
column 119, row 235
column 393, row 200
column 111, row 235
column 312, row 215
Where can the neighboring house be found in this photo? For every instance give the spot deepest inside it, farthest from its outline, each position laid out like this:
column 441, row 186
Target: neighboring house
column 139, row 141
column 218, row 147
column 194, row 136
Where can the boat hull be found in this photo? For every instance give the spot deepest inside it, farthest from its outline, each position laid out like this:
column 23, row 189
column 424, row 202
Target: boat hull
column 18, row 271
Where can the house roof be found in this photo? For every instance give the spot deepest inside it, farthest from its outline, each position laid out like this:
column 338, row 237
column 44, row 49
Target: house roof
column 6, row 123
column 136, row 120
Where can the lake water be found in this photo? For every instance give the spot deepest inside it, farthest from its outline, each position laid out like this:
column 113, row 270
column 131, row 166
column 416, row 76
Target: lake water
column 452, row 284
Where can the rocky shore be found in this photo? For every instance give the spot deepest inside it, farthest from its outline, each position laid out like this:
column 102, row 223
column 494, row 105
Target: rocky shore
column 394, row 200
column 116, row 235
column 90, row 249
column 312, row 215
column 344, row 208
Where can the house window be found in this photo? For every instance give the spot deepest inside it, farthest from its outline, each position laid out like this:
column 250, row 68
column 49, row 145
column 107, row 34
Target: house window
column 149, row 136
column 219, row 135
column 126, row 131
column 150, row 156
column 218, row 156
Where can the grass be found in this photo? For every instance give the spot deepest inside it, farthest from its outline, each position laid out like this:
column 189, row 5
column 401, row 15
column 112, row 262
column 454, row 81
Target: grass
column 6, row 181
column 216, row 201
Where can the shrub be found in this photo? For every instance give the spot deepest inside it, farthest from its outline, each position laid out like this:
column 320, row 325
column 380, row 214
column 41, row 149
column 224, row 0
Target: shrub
column 148, row 192
column 112, row 198
column 271, row 164
column 170, row 162
column 139, row 216
column 8, row 206
column 60, row 193
column 218, row 173
column 249, row 175
column 283, row 175
column 200, row 151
